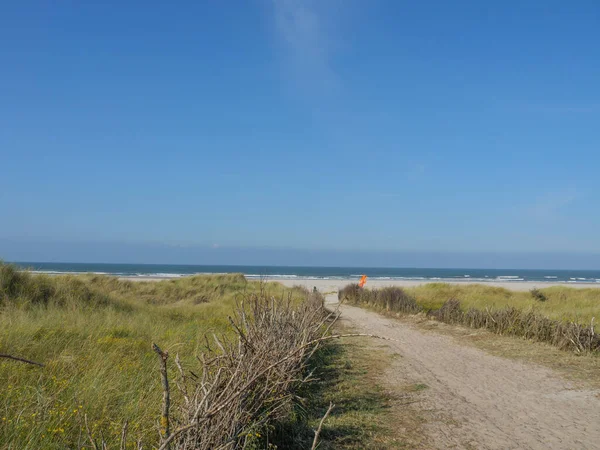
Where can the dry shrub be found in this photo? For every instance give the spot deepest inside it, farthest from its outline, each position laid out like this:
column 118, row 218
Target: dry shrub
column 247, row 382
column 390, row 298
column 450, row 312
column 396, row 299
column 350, row 292
column 528, row 324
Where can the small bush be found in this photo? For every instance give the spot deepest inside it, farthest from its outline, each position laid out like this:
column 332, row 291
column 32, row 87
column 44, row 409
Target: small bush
column 390, row 298
column 396, row 299
column 349, row 292
column 538, row 295
column 450, row 312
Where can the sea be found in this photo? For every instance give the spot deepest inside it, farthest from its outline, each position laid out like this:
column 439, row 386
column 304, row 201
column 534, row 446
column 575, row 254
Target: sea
column 169, row 271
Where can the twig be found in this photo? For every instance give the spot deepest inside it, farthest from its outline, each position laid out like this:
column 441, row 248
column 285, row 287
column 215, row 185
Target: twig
column 164, row 419
column 182, row 386
column 337, row 336
column 16, row 358
column 89, row 433
column 124, row 435
column 316, row 440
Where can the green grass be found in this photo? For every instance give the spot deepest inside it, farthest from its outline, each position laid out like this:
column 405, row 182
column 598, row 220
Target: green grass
column 563, row 303
column 94, row 335
column 363, row 417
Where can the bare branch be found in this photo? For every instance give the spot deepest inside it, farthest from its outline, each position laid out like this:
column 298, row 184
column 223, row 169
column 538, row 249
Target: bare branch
column 164, row 419
column 16, row 358
column 124, row 435
column 89, row 433
column 316, row 440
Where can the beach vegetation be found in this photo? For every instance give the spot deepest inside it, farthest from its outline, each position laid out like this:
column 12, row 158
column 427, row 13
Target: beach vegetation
column 565, row 318
column 234, row 352
column 538, row 295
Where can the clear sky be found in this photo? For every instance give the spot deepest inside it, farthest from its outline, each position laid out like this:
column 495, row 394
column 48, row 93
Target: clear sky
column 327, row 125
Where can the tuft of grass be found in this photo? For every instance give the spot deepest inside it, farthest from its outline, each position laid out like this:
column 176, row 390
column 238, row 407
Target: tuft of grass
column 538, row 295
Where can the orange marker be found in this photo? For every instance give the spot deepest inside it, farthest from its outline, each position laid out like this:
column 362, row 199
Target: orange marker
column 363, row 281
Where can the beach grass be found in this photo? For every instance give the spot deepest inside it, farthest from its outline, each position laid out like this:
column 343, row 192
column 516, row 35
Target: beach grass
column 561, row 303
column 94, row 334
column 563, row 317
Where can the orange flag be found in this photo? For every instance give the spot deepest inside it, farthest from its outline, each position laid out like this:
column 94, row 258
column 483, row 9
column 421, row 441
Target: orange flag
column 363, row 281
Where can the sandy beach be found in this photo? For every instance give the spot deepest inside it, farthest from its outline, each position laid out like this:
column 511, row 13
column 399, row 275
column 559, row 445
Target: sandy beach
column 334, row 285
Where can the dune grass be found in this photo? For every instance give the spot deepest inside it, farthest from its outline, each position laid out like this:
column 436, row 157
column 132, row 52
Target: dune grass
column 562, row 303
column 94, row 336
column 563, row 317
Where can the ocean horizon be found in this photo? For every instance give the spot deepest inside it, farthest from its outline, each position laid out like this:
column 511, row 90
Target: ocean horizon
column 169, row 271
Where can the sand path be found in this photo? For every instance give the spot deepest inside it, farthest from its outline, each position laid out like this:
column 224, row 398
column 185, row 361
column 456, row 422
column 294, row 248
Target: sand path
column 475, row 400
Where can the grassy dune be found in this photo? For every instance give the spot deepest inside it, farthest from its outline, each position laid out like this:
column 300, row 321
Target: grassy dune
column 562, row 303
column 94, row 335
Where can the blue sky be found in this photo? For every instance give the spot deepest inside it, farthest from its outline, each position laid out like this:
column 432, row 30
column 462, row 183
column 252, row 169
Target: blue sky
column 330, row 126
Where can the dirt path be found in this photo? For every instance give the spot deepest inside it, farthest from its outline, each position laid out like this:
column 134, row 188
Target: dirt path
column 479, row 401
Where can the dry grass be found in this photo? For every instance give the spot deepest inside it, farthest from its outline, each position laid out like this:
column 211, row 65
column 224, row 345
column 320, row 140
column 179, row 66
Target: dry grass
column 562, row 303
column 496, row 309
column 389, row 298
column 525, row 323
column 24, row 290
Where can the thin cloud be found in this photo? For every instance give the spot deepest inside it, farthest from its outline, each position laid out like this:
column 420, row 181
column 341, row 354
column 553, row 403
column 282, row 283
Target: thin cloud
column 304, row 33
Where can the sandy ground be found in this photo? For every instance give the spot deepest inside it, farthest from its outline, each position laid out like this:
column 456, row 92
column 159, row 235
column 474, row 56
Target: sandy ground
column 475, row 400
column 334, row 285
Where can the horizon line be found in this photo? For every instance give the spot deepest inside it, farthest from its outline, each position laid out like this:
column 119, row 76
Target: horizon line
column 299, row 266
